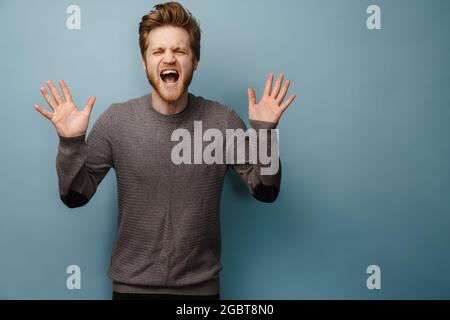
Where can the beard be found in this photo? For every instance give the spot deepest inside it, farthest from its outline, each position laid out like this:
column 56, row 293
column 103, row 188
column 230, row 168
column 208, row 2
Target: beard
column 175, row 93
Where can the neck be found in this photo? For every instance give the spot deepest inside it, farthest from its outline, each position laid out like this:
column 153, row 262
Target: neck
column 168, row 108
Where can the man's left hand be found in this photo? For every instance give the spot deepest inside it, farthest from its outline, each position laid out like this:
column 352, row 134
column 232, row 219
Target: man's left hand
column 271, row 105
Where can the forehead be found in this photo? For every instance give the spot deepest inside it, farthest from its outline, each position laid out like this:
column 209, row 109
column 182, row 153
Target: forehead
column 168, row 36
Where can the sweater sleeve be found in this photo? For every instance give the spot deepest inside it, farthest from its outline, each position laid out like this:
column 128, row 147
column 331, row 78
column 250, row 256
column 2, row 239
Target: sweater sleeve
column 262, row 177
column 81, row 165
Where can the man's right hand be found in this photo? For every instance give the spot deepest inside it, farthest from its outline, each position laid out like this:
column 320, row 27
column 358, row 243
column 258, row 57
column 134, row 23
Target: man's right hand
column 67, row 119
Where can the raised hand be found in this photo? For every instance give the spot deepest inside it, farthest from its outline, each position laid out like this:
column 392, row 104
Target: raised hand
column 271, row 105
column 67, row 119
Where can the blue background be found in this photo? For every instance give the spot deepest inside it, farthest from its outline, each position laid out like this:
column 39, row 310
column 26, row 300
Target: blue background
column 364, row 148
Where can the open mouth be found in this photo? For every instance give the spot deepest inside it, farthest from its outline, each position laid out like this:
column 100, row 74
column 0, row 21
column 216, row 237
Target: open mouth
column 169, row 75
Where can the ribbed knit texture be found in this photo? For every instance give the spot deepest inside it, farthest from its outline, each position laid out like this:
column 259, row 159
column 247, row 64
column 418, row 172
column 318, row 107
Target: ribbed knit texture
column 168, row 237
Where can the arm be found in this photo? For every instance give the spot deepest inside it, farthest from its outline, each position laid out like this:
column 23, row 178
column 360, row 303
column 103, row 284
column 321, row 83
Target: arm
column 263, row 186
column 263, row 181
column 80, row 165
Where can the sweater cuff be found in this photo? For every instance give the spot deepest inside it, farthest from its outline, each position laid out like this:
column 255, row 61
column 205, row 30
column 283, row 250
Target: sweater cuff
column 71, row 140
column 257, row 124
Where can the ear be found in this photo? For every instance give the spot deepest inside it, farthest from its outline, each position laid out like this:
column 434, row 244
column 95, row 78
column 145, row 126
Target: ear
column 196, row 62
column 143, row 65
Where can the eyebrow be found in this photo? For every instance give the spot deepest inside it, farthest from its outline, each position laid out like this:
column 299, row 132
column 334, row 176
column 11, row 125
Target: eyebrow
column 174, row 48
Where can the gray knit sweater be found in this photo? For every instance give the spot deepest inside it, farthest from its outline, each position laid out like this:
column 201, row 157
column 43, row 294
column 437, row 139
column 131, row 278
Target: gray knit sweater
column 168, row 237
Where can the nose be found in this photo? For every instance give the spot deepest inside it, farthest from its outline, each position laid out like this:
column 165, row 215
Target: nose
column 169, row 57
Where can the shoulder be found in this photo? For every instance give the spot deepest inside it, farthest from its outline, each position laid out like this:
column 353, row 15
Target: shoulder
column 214, row 108
column 124, row 106
column 118, row 112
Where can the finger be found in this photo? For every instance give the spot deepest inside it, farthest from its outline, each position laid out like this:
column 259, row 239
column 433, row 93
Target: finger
column 251, row 97
column 276, row 89
column 286, row 104
column 51, row 102
column 66, row 91
column 283, row 92
column 54, row 92
column 89, row 105
column 268, row 87
column 44, row 112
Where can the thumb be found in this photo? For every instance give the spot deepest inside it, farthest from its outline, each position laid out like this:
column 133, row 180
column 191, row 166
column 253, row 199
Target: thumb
column 251, row 97
column 89, row 105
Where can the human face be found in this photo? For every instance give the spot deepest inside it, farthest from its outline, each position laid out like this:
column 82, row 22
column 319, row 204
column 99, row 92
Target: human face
column 169, row 62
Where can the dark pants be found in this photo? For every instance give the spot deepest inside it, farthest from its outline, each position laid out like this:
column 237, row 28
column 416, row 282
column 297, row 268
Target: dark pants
column 146, row 296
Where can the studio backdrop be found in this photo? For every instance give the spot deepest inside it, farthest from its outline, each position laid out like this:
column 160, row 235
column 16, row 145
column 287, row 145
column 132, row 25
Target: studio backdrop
column 364, row 206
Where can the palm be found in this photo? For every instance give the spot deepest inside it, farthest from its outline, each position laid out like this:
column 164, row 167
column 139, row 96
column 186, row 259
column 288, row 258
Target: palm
column 67, row 119
column 271, row 106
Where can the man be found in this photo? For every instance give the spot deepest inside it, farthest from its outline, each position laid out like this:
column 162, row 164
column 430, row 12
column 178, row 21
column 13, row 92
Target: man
column 168, row 240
